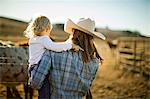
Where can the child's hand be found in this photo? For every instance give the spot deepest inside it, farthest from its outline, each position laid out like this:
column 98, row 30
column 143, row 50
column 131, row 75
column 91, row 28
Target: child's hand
column 70, row 36
column 69, row 39
column 76, row 47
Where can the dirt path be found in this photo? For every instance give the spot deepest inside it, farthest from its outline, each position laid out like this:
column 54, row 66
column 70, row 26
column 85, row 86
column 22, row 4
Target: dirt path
column 116, row 84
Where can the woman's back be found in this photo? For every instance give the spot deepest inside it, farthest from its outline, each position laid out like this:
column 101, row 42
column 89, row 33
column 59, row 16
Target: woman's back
column 69, row 76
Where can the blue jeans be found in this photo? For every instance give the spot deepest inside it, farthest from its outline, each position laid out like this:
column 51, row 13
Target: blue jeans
column 44, row 91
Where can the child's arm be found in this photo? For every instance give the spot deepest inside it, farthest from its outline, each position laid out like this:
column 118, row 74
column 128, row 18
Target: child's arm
column 55, row 46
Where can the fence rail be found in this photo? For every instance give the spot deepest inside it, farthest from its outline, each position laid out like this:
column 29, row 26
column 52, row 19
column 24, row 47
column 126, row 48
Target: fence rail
column 134, row 54
column 13, row 64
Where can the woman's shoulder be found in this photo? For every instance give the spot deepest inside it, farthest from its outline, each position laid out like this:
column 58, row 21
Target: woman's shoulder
column 95, row 59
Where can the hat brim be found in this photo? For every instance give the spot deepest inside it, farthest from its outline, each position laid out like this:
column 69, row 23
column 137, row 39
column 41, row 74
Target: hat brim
column 70, row 25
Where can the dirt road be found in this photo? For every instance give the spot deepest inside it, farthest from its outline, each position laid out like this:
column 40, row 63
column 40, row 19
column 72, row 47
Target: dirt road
column 116, row 84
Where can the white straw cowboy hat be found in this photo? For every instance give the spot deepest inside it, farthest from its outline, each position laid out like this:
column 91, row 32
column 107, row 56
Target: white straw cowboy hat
column 87, row 26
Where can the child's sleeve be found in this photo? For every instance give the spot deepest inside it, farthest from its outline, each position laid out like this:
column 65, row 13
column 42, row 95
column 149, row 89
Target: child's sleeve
column 55, row 46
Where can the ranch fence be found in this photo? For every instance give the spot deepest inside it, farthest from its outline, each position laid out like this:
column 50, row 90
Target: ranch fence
column 134, row 54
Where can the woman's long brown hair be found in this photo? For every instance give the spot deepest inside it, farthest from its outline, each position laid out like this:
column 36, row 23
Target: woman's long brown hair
column 85, row 42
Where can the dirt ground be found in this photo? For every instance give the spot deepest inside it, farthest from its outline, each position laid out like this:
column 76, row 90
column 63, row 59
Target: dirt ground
column 110, row 83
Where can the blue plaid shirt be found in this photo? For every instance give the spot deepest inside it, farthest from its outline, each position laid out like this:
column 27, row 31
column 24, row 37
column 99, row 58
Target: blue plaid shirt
column 69, row 76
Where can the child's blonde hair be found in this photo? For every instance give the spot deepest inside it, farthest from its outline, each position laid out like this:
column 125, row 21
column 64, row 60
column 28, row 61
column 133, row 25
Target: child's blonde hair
column 37, row 25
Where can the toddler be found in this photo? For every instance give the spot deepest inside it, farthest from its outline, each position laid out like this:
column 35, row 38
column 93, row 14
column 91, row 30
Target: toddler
column 38, row 33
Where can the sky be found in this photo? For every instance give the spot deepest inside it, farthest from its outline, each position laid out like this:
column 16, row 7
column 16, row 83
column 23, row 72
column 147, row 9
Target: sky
column 133, row 15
